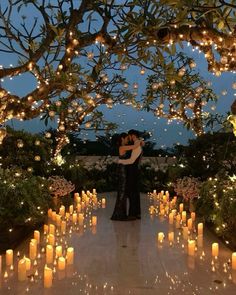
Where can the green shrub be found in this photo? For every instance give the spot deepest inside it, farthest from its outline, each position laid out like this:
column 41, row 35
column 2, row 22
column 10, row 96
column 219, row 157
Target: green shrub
column 24, row 198
column 217, row 205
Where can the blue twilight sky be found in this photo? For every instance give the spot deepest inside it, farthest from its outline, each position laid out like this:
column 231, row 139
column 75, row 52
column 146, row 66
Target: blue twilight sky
column 163, row 134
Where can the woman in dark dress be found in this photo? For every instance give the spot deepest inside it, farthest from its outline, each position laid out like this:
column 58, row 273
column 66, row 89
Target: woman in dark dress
column 120, row 210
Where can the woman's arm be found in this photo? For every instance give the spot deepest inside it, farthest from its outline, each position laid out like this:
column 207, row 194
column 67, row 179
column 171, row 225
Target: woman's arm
column 135, row 154
column 131, row 147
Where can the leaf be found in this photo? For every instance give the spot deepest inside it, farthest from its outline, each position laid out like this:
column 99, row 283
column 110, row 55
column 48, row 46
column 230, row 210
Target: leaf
column 221, row 25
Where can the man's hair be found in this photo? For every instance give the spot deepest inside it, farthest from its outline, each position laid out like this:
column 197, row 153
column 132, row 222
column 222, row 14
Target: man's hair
column 134, row 132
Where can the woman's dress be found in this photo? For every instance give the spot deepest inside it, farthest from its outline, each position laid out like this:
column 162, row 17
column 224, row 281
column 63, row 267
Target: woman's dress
column 121, row 199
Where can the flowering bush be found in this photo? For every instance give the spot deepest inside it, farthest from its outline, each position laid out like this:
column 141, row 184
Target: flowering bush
column 59, row 186
column 187, row 187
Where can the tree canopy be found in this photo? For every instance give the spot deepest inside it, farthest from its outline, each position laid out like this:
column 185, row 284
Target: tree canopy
column 79, row 52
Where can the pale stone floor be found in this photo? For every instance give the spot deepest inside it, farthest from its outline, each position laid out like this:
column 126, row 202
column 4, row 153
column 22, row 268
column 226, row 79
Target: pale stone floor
column 124, row 258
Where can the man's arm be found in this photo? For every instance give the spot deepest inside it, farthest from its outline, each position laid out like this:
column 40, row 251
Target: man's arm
column 135, row 154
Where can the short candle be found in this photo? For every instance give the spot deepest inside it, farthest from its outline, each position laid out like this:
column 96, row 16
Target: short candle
column 215, row 249
column 191, row 247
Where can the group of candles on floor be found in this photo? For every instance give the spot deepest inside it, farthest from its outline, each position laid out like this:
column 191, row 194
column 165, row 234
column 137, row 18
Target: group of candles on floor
column 164, row 207
column 59, row 225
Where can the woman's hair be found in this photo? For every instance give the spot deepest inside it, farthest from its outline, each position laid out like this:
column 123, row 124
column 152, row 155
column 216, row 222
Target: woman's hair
column 119, row 140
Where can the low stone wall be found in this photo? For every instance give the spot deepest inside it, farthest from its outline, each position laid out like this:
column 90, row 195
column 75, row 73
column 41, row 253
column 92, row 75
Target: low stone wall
column 155, row 161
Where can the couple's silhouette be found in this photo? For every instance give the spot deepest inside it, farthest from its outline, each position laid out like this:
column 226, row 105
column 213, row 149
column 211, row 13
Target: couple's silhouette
column 128, row 177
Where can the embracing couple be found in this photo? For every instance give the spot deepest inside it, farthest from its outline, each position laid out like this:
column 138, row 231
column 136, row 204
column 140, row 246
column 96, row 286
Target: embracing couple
column 130, row 151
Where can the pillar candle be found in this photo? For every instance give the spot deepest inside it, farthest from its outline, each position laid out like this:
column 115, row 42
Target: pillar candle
column 47, row 277
column 193, row 216
column 71, row 209
column 234, row 260
column 63, row 227
column 185, row 232
column 33, row 249
column 9, row 257
column 103, row 201
column 181, row 207
column 67, row 215
column 177, row 223
column 154, row 192
column 171, row 236
column 183, row 216
column 190, row 223
column 171, row 218
column 215, row 249
column 191, row 247
column 27, row 263
column 200, row 229
column 59, row 251
column 82, row 205
column 94, row 191
column 0, row 264
column 62, row 210
column 81, row 218
column 45, row 228
column 58, row 220
column 52, row 229
column 37, row 236
column 61, row 263
column 94, row 220
column 49, row 254
column 167, row 194
column 76, row 195
column 74, row 217
column 78, row 208
column 164, row 198
column 160, row 237
column 70, row 255
column 161, row 207
column 51, row 239
column 22, row 270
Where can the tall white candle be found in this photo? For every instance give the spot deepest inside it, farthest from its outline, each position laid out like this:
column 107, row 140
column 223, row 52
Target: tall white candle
column 59, row 251
column 9, row 257
column 52, row 229
column 61, row 263
column 191, row 247
column 181, row 207
column 33, row 249
column 70, row 255
column 49, row 254
column 37, row 236
column 22, row 270
column 47, row 277
column 51, row 239
column 200, row 229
